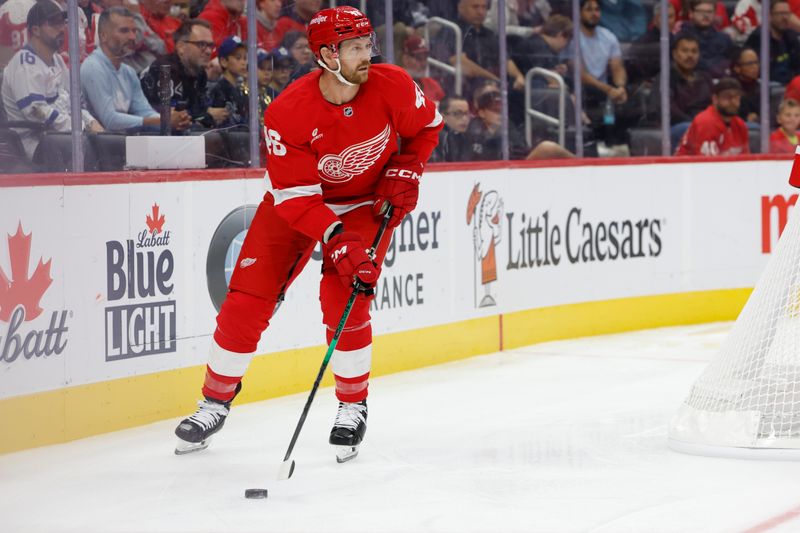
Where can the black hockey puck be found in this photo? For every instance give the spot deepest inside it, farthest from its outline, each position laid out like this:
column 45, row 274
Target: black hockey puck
column 255, row 494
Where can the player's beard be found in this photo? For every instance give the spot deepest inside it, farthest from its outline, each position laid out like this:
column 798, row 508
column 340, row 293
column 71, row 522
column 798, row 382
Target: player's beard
column 357, row 76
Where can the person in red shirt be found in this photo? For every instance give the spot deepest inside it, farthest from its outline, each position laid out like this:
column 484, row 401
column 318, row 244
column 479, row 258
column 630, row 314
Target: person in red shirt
column 335, row 165
column 156, row 15
column 718, row 130
column 267, row 15
column 784, row 139
column 297, row 17
column 226, row 19
column 414, row 60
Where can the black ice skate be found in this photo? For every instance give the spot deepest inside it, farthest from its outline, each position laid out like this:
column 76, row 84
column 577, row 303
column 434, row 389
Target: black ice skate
column 348, row 429
column 194, row 433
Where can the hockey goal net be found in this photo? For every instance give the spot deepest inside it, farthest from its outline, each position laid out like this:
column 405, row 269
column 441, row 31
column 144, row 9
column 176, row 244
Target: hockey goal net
column 747, row 401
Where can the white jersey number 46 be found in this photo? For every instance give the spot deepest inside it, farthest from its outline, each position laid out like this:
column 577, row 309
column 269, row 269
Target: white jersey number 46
column 273, row 141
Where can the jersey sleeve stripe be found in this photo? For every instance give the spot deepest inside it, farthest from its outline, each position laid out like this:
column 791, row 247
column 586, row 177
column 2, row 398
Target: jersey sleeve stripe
column 51, row 118
column 282, row 195
column 28, row 100
column 437, row 119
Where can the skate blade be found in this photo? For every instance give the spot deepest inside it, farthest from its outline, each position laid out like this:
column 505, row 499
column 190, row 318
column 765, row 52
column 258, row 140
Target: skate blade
column 183, row 447
column 345, row 453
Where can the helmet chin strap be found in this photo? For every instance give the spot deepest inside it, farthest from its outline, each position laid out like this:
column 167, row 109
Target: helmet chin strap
column 337, row 72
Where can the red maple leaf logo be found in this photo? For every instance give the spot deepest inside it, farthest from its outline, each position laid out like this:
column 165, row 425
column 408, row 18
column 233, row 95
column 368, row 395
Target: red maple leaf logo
column 22, row 290
column 155, row 223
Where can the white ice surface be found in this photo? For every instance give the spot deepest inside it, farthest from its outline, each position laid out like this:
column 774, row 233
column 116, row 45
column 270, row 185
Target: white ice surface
column 563, row 436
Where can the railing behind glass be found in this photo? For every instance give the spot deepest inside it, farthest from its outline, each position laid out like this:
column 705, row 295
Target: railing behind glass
column 530, row 112
column 456, row 70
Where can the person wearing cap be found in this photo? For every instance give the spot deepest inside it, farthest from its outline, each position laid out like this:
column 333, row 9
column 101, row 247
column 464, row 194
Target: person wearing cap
column 13, row 28
column 36, row 81
column 718, row 130
column 111, row 87
column 415, row 60
column 229, row 92
column 282, row 67
column 193, row 48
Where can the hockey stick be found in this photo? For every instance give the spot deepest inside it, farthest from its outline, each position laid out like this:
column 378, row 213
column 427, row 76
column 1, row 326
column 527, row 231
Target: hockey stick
column 287, row 467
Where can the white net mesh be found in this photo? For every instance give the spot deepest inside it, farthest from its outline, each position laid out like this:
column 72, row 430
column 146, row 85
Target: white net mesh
column 749, row 396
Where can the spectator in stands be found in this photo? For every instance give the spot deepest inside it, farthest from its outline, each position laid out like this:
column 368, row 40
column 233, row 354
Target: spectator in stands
column 229, row 92
column 156, row 15
column 266, row 94
column 644, row 58
column 626, row 19
column 544, row 49
column 683, row 13
column 784, row 46
column 480, row 51
column 296, row 42
column 746, row 69
column 718, row 130
column 296, row 16
column 689, row 87
column 716, row 47
column 282, row 67
column 36, row 82
column 454, row 143
column 193, row 47
column 111, row 87
column 414, row 59
column 523, row 17
column 226, row 19
column 784, row 139
column 603, row 74
column 486, row 135
column 13, row 33
column 267, row 15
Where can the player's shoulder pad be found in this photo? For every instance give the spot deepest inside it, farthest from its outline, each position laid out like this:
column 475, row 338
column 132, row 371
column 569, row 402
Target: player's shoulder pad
column 384, row 73
column 286, row 111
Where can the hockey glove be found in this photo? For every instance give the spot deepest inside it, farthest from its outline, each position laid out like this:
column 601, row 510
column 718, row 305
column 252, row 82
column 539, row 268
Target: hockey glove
column 398, row 186
column 349, row 255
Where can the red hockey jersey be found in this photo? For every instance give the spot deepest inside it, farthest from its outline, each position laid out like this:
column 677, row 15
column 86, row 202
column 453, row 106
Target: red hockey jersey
column 709, row 135
column 325, row 159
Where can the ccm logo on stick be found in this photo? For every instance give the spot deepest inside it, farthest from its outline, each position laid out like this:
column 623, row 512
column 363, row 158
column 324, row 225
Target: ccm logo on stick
column 402, row 172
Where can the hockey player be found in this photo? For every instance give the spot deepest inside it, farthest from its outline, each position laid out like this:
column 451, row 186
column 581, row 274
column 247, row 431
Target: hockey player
column 333, row 173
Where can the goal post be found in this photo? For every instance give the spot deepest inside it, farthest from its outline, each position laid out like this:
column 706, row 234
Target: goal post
column 746, row 403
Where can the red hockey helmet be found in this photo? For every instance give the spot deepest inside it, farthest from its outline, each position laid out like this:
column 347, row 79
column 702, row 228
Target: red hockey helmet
column 330, row 27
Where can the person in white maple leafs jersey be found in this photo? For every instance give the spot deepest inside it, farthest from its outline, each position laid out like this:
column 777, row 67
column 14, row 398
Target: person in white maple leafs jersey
column 335, row 163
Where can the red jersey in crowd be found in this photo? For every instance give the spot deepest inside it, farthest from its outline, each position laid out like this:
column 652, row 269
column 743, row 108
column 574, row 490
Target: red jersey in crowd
column 164, row 27
column 709, row 135
column 780, row 143
column 329, row 162
column 289, row 23
column 223, row 25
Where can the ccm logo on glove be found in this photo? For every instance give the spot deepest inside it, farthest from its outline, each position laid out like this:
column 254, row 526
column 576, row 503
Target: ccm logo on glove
column 402, row 173
column 349, row 255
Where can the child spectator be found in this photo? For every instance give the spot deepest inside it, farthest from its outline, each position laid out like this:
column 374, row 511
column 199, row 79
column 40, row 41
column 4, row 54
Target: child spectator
column 266, row 94
column 454, row 143
column 282, row 66
column 229, row 92
column 784, row 139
